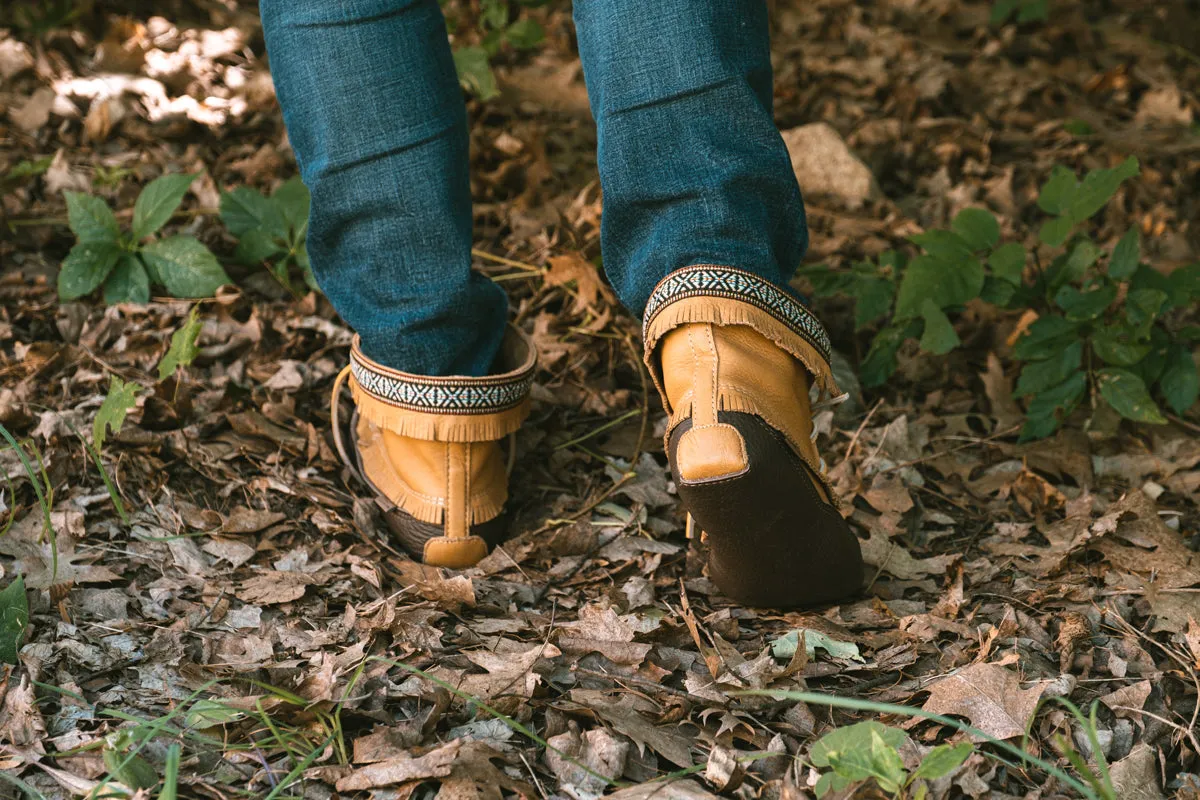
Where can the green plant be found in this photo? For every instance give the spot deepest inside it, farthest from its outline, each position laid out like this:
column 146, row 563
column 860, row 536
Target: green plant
column 271, row 231
column 1104, row 322
column 871, row 751
column 1098, row 784
column 1024, row 10
column 497, row 29
column 14, row 618
column 123, row 262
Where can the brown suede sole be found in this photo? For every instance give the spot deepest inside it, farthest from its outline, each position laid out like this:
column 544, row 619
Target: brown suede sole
column 410, row 532
column 773, row 542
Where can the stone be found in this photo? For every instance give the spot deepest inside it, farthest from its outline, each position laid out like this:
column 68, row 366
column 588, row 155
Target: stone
column 825, row 166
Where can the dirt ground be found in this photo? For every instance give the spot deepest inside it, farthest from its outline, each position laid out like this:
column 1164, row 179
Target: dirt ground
column 249, row 620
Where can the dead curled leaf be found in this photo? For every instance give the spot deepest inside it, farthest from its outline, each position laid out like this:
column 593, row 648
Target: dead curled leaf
column 989, row 696
column 402, row 768
column 273, row 587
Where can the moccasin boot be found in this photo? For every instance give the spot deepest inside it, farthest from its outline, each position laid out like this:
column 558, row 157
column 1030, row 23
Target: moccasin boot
column 430, row 450
column 733, row 357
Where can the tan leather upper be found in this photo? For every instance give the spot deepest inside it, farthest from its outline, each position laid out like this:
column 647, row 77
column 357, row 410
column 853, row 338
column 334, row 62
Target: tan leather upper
column 706, row 368
column 442, row 463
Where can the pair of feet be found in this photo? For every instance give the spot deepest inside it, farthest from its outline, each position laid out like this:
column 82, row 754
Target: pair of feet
column 734, row 376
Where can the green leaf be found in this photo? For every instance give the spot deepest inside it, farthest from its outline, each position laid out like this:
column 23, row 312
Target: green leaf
column 1051, row 407
column 1038, row 376
column 157, row 202
column 1002, row 10
column 862, row 751
column 183, row 349
column 1183, row 286
column 939, row 337
column 1008, row 262
column 525, row 34
column 245, row 209
column 91, row 219
column 1117, row 344
column 1083, row 255
column 1154, row 362
column 942, row 760
column 205, row 713
column 130, row 769
column 1142, row 307
column 1046, row 337
column 831, row 782
column 121, row 397
column 187, row 267
column 1098, row 187
column 1083, row 306
column 292, row 200
column 929, row 278
column 997, row 292
column 977, row 227
column 1180, row 381
column 1033, row 11
column 475, row 73
column 853, row 737
column 873, row 298
column 947, row 246
column 493, row 14
column 14, row 618
column 785, row 646
column 880, row 362
column 128, row 282
column 1055, row 231
column 85, row 268
column 1125, row 256
column 257, row 246
column 1058, row 192
column 1127, row 393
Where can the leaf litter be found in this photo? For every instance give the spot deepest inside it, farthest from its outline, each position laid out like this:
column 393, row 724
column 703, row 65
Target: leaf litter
column 252, row 600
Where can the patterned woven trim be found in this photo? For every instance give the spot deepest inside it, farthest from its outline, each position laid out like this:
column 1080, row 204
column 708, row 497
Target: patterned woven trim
column 706, row 280
column 450, row 395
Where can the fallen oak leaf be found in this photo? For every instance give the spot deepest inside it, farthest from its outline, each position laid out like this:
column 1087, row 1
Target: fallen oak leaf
column 436, row 763
column 273, row 587
column 989, row 696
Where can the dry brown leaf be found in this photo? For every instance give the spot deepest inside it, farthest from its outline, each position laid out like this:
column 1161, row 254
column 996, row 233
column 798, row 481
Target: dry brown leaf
column 402, row 768
column 989, row 696
column 273, row 587
column 250, row 520
column 881, row 552
column 574, row 268
column 597, row 749
column 21, row 723
column 1133, row 696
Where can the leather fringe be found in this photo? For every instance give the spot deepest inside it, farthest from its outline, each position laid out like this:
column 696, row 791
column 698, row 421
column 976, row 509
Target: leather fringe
column 723, row 311
column 385, row 479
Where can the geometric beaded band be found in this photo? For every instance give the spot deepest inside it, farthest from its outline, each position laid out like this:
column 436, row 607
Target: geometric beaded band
column 438, row 395
column 705, row 280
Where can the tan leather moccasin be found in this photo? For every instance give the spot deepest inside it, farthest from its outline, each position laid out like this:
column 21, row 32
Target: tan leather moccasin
column 733, row 357
column 429, row 447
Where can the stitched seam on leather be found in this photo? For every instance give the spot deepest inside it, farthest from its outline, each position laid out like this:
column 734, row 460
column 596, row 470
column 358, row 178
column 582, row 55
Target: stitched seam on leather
column 712, row 349
column 741, row 440
column 466, row 504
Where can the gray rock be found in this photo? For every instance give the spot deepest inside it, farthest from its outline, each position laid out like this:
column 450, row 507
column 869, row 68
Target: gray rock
column 825, row 166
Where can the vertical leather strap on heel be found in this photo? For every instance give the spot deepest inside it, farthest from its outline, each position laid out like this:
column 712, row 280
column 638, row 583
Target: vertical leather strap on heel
column 710, row 450
column 430, row 448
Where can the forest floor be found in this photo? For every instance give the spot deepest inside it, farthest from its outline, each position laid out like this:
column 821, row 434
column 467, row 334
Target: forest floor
column 249, row 622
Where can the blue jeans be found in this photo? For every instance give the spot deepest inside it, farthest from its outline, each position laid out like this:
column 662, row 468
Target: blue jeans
column 692, row 167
